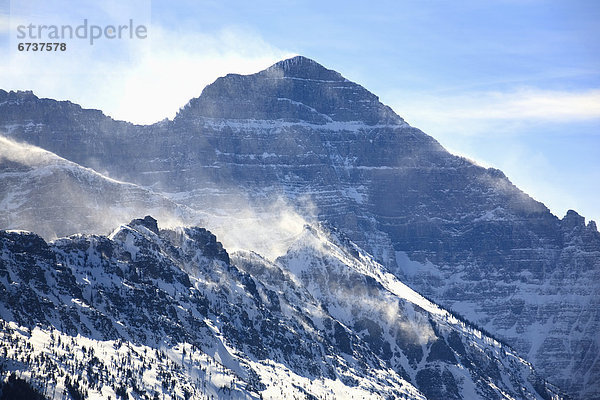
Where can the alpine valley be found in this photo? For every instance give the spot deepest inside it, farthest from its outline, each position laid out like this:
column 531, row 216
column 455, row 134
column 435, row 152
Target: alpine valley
column 285, row 236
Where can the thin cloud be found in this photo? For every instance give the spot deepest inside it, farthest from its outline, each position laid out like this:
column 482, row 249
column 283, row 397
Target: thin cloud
column 475, row 112
column 538, row 104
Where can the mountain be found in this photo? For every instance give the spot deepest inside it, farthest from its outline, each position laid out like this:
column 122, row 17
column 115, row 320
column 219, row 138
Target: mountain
column 462, row 235
column 152, row 313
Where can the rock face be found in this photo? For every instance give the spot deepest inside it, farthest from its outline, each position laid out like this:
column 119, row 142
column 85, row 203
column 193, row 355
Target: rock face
column 167, row 314
column 459, row 233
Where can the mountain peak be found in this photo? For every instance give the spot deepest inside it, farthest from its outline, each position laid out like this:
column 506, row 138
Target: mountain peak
column 301, row 67
column 296, row 89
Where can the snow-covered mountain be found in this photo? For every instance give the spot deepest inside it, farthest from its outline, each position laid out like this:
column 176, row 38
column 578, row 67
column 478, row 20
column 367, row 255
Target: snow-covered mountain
column 461, row 234
column 153, row 313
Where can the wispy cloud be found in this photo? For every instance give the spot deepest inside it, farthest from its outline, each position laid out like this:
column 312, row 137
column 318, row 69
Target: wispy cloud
column 477, row 109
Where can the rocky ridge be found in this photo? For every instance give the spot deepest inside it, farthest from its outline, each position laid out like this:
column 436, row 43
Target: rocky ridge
column 147, row 312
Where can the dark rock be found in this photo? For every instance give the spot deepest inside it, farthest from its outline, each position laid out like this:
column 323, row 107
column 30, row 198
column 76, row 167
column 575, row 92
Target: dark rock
column 439, row 351
column 147, row 222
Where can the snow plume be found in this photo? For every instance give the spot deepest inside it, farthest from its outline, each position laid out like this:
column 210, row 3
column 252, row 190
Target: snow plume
column 393, row 313
column 519, row 201
column 268, row 228
column 356, row 288
column 12, row 151
column 53, row 197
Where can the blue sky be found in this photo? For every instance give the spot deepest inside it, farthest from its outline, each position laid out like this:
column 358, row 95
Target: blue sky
column 513, row 84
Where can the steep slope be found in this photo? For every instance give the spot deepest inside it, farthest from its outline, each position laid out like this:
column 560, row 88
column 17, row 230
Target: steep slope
column 167, row 313
column 443, row 356
column 459, row 233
